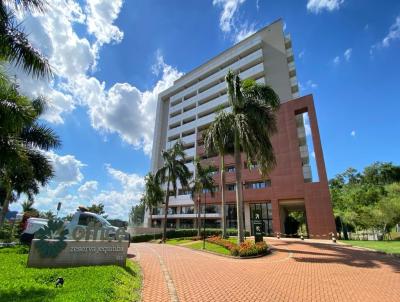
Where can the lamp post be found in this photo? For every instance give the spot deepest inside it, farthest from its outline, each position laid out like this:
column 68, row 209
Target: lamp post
column 204, row 223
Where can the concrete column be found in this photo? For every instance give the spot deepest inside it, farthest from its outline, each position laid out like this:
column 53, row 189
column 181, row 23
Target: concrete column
column 276, row 217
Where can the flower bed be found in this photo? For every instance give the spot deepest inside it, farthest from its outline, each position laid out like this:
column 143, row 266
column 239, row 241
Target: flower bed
column 246, row 249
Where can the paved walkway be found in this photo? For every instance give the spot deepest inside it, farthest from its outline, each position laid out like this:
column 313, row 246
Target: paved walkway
column 295, row 271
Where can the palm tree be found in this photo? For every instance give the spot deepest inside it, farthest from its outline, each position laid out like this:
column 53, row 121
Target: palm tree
column 218, row 139
column 27, row 206
column 153, row 194
column 252, row 122
column 14, row 44
column 48, row 215
column 23, row 165
column 174, row 169
column 203, row 182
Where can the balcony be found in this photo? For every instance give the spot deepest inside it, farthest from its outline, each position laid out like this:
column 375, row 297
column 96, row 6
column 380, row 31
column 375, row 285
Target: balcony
column 218, row 61
column 249, row 59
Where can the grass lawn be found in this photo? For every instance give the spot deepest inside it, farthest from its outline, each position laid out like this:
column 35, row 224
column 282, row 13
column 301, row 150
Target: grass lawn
column 91, row 283
column 391, row 247
column 178, row 241
column 198, row 245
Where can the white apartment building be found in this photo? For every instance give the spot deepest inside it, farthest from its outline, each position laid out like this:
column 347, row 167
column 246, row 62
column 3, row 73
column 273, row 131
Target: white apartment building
column 190, row 104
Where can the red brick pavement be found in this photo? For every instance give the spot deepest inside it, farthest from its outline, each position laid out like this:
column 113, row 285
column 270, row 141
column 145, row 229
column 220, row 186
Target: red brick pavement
column 296, row 271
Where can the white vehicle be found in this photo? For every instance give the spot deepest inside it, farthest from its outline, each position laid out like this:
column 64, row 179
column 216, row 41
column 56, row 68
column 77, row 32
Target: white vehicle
column 81, row 218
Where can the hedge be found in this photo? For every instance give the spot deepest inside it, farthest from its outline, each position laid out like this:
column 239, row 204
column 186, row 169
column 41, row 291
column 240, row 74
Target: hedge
column 182, row 233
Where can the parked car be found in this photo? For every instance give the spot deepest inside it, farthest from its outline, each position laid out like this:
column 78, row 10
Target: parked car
column 81, row 218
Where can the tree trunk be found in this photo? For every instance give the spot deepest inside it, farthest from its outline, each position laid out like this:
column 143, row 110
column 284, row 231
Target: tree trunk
column 164, row 236
column 223, row 222
column 239, row 200
column 6, row 203
column 198, row 216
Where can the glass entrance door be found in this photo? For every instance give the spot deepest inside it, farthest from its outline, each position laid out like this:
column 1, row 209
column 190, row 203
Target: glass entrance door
column 265, row 209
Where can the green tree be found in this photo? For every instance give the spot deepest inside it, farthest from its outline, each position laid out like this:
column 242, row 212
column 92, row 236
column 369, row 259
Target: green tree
column 153, row 194
column 48, row 215
column 218, row 139
column 203, row 182
column 387, row 210
column 97, row 208
column 27, row 206
column 23, row 165
column 14, row 44
column 253, row 122
column 137, row 214
column 174, row 169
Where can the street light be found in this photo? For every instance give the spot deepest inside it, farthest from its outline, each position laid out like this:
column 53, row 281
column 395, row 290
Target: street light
column 204, row 222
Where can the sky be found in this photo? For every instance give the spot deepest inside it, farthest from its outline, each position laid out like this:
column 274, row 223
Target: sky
column 112, row 58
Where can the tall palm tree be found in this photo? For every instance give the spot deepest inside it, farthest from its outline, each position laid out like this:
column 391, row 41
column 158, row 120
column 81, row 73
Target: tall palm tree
column 203, row 182
column 174, row 169
column 14, row 44
column 153, row 194
column 23, row 165
column 218, row 139
column 253, row 122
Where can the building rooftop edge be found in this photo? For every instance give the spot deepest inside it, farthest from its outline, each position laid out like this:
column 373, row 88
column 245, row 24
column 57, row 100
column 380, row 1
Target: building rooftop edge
column 166, row 91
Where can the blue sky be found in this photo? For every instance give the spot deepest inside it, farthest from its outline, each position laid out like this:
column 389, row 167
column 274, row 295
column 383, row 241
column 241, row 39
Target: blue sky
column 112, row 58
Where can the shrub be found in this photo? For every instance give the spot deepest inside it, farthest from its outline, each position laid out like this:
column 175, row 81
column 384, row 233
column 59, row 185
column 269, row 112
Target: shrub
column 249, row 248
column 246, row 249
column 182, row 233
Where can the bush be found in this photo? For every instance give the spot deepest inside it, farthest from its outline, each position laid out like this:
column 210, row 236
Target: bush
column 183, row 233
column 246, row 249
column 249, row 248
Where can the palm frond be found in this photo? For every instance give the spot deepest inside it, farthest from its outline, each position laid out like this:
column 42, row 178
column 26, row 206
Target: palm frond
column 16, row 48
column 40, row 136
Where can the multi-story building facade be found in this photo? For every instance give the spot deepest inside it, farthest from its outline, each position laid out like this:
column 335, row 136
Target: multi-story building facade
column 189, row 106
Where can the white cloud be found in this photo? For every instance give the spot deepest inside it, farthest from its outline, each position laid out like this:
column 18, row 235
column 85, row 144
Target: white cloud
column 101, row 15
column 336, row 60
column 317, row 6
column 244, row 31
column 124, row 109
column 301, row 54
column 88, row 189
column 347, row 54
column 229, row 8
column 67, row 169
column 310, row 84
column 353, row 133
column 230, row 24
column 393, row 35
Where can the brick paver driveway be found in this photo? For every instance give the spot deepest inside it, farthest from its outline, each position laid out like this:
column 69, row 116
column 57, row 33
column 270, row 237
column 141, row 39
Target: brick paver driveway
column 296, row 271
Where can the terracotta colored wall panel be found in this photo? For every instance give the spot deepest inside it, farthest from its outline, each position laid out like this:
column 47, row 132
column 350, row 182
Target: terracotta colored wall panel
column 287, row 178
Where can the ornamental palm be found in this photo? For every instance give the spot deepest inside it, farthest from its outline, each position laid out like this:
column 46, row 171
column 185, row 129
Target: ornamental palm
column 14, row 44
column 253, row 122
column 218, row 138
column 23, row 165
column 174, row 169
column 153, row 194
column 203, row 181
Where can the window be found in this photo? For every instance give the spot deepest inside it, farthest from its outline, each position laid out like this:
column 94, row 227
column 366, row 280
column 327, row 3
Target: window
column 172, row 210
column 158, row 211
column 187, row 210
column 216, row 189
column 231, row 216
column 231, row 187
column 211, row 209
column 250, row 165
column 258, row 184
column 186, row 224
column 85, row 219
column 230, row 169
